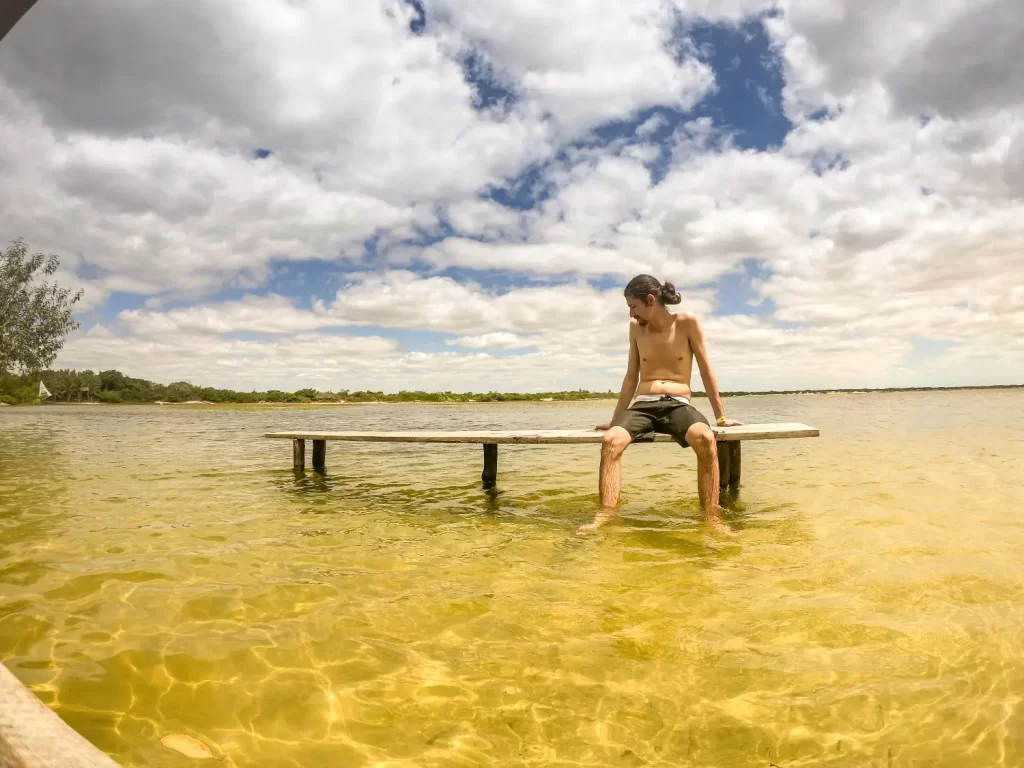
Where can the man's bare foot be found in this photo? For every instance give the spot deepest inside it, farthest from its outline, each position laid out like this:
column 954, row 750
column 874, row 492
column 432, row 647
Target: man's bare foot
column 720, row 527
column 600, row 519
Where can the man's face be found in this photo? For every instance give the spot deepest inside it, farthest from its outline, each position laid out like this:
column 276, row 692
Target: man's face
column 641, row 310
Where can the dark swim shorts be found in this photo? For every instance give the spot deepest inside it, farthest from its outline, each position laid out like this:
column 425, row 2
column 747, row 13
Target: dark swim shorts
column 665, row 416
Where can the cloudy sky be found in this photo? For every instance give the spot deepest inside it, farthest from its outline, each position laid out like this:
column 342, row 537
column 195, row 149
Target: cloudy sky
column 450, row 194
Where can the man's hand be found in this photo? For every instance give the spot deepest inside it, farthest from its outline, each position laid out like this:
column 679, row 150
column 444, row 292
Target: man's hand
column 730, row 423
column 603, row 427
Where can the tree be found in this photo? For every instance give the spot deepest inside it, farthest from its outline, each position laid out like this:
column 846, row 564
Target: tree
column 35, row 316
column 180, row 391
column 112, row 381
column 90, row 382
column 63, row 384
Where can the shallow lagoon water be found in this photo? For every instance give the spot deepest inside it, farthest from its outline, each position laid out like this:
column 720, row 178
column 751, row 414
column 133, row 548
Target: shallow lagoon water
column 163, row 570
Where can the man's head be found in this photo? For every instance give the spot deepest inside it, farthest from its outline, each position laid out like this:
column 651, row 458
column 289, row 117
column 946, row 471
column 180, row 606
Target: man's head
column 645, row 296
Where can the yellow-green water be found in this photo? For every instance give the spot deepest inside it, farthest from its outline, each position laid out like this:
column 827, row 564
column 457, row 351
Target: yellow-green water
column 163, row 570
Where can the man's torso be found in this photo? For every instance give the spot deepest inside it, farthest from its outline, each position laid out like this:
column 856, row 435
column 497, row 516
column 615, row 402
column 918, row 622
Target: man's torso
column 666, row 360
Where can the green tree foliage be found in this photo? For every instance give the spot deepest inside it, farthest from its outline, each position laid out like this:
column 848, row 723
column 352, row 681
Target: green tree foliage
column 35, row 315
column 112, row 386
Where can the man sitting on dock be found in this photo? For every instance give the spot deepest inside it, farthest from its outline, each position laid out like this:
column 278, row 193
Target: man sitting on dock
column 662, row 346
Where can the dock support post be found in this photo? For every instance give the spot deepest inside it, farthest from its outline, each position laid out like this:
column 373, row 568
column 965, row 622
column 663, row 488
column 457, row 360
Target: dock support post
column 490, row 473
column 724, row 464
column 735, row 463
column 299, row 455
column 319, row 455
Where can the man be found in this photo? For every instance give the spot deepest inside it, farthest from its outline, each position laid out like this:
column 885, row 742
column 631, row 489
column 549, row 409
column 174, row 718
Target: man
column 662, row 346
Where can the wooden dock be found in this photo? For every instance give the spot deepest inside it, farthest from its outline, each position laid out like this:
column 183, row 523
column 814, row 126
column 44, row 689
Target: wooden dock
column 729, row 442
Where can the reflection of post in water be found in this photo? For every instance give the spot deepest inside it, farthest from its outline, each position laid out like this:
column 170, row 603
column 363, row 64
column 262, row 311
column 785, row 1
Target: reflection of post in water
column 735, row 516
column 301, row 482
column 729, row 498
column 493, row 497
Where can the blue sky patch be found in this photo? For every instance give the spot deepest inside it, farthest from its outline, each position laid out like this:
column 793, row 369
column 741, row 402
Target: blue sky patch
column 497, row 281
column 106, row 315
column 748, row 73
column 523, row 192
column 925, row 347
column 419, row 19
column 736, row 295
column 489, row 92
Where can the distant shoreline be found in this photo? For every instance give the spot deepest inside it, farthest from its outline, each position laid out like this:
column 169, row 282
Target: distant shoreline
column 112, row 387
column 520, row 398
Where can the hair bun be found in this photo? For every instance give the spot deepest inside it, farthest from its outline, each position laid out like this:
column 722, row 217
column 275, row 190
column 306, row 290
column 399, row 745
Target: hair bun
column 669, row 294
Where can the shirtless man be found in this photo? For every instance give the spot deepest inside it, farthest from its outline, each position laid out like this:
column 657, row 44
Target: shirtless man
column 662, row 346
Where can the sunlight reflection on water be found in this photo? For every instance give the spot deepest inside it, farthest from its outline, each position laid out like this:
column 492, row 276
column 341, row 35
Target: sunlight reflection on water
column 164, row 570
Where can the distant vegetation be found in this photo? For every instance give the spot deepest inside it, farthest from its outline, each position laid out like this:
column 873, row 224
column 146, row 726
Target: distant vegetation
column 114, row 387
column 70, row 386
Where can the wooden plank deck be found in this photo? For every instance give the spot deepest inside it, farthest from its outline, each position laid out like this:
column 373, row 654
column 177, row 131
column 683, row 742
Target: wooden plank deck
column 541, row 436
column 729, row 439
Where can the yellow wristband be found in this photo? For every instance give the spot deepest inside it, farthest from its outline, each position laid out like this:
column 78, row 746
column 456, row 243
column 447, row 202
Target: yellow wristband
column 721, row 419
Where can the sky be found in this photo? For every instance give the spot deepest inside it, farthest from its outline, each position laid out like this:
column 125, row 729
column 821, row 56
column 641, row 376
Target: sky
column 450, row 195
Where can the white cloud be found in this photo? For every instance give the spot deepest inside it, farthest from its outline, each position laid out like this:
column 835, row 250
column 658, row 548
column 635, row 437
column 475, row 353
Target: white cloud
column 127, row 145
column 400, row 299
column 368, row 125
column 242, row 364
column 536, row 258
column 255, row 314
column 486, row 219
column 651, row 125
column 582, row 64
column 950, row 56
column 746, row 352
column 498, row 340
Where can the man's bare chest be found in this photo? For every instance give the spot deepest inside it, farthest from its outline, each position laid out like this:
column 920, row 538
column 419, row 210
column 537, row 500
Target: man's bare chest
column 668, row 348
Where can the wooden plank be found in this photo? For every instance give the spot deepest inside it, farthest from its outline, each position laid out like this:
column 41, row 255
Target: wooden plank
column 33, row 736
column 319, row 455
column 542, row 436
column 299, row 454
column 490, row 473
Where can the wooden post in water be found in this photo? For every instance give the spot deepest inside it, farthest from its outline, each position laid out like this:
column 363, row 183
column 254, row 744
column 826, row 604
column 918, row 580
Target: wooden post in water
column 319, row 455
column 490, row 473
column 299, row 455
column 735, row 463
column 724, row 464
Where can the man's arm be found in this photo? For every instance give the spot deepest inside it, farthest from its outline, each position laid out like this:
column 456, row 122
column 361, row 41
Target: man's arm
column 630, row 380
column 695, row 334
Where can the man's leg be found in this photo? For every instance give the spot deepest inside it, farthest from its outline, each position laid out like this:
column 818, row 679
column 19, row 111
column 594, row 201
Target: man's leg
column 701, row 438
column 614, row 444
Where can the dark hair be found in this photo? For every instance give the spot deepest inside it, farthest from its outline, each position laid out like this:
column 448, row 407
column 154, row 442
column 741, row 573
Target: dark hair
column 642, row 286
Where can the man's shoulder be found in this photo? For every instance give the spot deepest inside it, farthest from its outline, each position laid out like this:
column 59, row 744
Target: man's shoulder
column 686, row 319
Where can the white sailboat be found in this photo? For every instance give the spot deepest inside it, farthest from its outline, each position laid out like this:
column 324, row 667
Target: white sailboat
column 43, row 391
